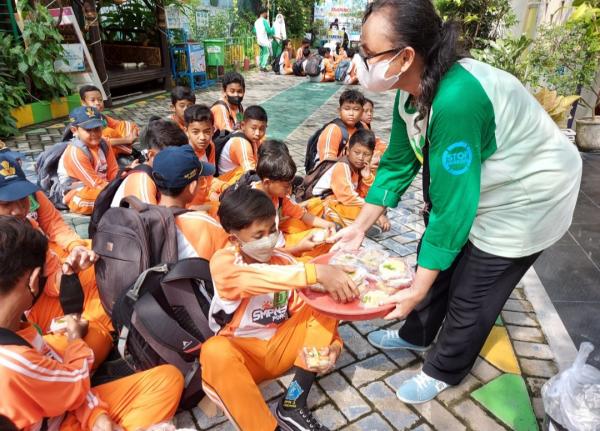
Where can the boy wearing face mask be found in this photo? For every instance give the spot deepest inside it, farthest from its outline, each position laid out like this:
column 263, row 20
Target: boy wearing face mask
column 347, row 182
column 158, row 135
column 261, row 322
column 15, row 190
column 43, row 388
column 177, row 172
column 228, row 111
column 331, row 143
column 88, row 164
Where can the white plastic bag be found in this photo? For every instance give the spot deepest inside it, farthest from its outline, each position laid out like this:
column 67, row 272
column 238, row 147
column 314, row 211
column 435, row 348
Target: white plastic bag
column 572, row 397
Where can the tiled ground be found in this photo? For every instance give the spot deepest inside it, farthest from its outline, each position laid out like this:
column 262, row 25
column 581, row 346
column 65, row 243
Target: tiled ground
column 503, row 389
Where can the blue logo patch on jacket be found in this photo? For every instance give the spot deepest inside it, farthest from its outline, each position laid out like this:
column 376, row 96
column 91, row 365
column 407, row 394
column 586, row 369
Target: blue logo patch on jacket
column 457, row 158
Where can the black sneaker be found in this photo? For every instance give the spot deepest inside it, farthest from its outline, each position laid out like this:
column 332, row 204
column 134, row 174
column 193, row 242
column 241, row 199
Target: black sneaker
column 374, row 232
column 298, row 420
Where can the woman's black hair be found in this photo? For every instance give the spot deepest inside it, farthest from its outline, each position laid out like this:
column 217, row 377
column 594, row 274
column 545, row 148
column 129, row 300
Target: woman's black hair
column 160, row 134
column 255, row 112
column 416, row 23
column 367, row 100
column 22, row 248
column 199, row 113
column 233, row 78
column 285, row 42
column 363, row 137
column 242, row 205
column 276, row 165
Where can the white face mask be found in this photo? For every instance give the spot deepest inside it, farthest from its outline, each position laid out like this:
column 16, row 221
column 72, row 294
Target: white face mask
column 261, row 249
column 374, row 78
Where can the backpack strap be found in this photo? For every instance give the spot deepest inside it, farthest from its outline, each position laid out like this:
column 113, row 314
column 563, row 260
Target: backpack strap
column 223, row 103
column 195, row 267
column 71, row 294
column 103, row 146
column 10, row 338
column 345, row 135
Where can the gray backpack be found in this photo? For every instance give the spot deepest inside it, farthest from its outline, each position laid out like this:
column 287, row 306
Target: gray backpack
column 313, row 65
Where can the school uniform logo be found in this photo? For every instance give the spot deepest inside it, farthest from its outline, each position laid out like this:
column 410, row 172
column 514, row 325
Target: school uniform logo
column 272, row 313
column 457, row 158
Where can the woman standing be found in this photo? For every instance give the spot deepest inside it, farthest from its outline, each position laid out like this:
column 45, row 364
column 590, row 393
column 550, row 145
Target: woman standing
column 500, row 186
column 279, row 36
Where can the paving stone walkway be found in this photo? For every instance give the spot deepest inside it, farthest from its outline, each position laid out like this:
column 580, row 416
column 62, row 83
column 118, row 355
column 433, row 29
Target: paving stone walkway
column 503, row 389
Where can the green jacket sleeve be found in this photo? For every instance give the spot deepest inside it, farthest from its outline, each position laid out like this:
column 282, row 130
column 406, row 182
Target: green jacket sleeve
column 397, row 168
column 455, row 138
column 270, row 31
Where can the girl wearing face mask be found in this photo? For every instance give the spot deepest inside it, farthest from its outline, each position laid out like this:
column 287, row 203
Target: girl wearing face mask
column 499, row 180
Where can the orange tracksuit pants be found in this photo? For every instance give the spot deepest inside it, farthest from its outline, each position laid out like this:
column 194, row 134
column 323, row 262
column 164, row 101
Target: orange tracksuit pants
column 332, row 210
column 98, row 337
column 294, row 231
column 138, row 401
column 232, row 367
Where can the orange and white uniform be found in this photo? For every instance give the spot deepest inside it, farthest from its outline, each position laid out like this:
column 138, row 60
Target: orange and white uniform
column 85, row 176
column 351, row 75
column 175, row 119
column 349, row 191
column 118, row 129
column 203, row 189
column 328, row 70
column 138, row 184
column 262, row 326
column 330, row 141
column 225, row 119
column 199, row 235
column 285, row 65
column 38, row 382
column 300, row 54
column 239, row 155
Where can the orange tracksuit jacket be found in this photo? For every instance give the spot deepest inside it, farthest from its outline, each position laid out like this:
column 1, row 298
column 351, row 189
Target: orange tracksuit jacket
column 329, row 72
column 238, row 156
column 177, row 121
column 225, row 120
column 269, row 326
column 199, row 235
column 118, row 129
column 287, row 64
column 330, row 140
column 38, row 383
column 140, row 185
column 202, row 194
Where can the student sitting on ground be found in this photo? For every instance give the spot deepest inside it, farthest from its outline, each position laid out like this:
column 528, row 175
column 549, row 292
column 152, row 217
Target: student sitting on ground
column 119, row 134
column 199, row 126
column 228, row 111
column 45, row 389
column 177, row 172
column 346, row 184
column 159, row 134
column 88, row 164
column 285, row 63
column 305, row 57
column 300, row 51
column 181, row 99
column 328, row 65
column 380, row 145
column 276, row 170
column 331, row 141
column 352, row 74
column 261, row 322
column 67, row 253
column 239, row 153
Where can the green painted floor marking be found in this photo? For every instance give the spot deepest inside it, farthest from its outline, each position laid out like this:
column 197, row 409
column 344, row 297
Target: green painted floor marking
column 506, row 397
column 288, row 109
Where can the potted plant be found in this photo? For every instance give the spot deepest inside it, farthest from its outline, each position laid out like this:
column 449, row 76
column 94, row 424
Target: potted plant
column 556, row 106
column 588, row 128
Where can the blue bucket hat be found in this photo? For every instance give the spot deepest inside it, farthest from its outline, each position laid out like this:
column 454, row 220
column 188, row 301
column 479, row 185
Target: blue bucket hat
column 13, row 182
column 86, row 117
column 176, row 167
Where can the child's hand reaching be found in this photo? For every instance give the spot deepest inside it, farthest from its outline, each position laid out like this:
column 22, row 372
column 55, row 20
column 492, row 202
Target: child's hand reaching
column 321, row 360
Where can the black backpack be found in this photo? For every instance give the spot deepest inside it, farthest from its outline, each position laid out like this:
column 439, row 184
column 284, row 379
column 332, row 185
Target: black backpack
column 106, row 196
column 275, row 66
column 162, row 319
column 304, row 191
column 297, row 68
column 313, row 65
column 312, row 151
column 220, row 141
column 129, row 240
column 342, row 70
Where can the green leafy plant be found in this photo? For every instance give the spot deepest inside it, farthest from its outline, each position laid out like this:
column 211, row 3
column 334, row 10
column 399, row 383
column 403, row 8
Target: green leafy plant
column 13, row 91
column 43, row 47
column 505, row 54
column 481, row 20
column 132, row 22
column 556, row 106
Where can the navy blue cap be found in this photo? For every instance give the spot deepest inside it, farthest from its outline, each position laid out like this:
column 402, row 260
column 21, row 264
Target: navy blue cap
column 15, row 155
column 176, row 167
column 86, row 117
column 13, row 182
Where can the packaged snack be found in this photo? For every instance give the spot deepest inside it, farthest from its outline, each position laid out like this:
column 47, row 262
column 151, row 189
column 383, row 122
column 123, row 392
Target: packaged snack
column 344, row 259
column 316, row 358
column 319, row 235
column 395, row 272
column 58, row 324
column 373, row 298
column 359, row 275
column 370, row 258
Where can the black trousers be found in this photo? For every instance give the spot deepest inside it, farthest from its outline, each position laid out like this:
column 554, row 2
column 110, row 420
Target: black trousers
column 464, row 302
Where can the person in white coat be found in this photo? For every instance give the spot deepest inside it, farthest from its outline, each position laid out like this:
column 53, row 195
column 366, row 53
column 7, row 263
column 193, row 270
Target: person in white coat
column 263, row 37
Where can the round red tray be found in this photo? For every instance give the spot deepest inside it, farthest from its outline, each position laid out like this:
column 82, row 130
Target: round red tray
column 350, row 311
